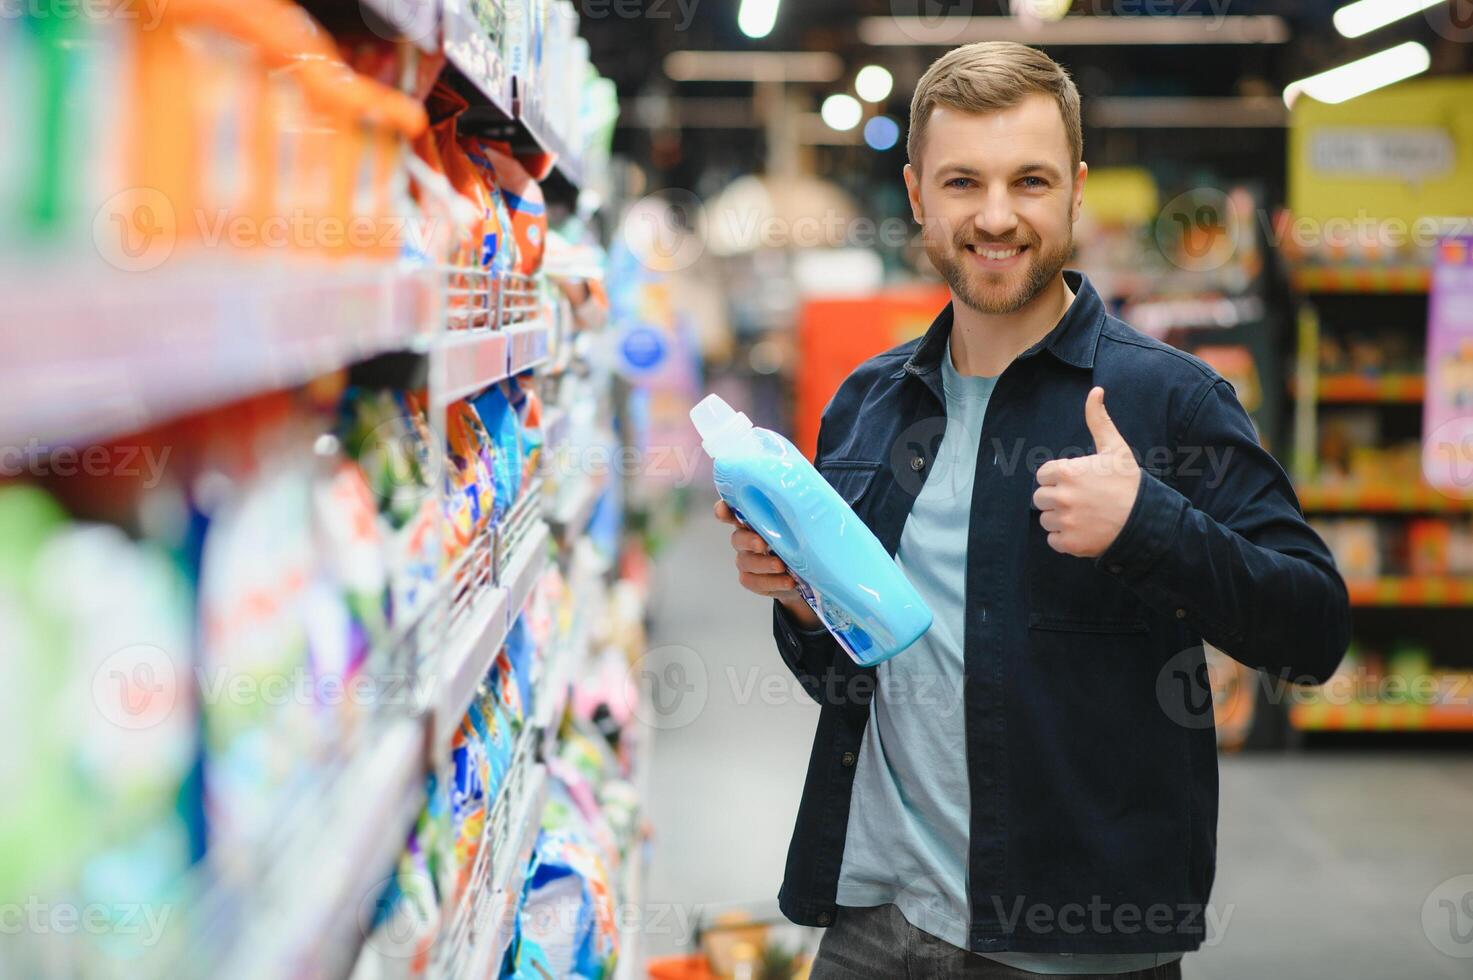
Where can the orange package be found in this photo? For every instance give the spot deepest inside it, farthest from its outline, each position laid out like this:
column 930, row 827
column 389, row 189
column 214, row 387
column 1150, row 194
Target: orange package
column 523, row 197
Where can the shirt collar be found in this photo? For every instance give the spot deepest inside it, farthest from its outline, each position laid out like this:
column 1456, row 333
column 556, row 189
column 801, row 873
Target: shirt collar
column 1072, row 340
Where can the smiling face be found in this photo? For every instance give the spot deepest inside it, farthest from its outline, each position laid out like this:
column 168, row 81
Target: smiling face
column 997, row 195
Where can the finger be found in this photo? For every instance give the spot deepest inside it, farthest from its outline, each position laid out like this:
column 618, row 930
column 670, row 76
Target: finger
column 760, row 564
column 1050, row 473
column 725, row 514
column 1102, row 429
column 767, row 585
column 1048, row 498
column 1051, row 520
column 745, row 540
column 1056, row 542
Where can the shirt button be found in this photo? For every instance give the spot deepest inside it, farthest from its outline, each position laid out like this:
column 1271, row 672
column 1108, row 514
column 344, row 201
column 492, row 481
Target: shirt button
column 1181, row 614
column 847, row 759
column 824, row 918
column 917, row 463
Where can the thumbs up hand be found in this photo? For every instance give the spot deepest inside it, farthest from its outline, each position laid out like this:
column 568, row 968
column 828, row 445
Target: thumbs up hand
column 1086, row 500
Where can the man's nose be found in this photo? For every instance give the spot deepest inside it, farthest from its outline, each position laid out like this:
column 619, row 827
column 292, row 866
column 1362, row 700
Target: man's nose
column 996, row 217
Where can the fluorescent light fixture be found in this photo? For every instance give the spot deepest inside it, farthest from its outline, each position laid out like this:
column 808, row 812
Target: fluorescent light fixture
column 874, row 83
column 1102, row 30
column 881, row 133
column 1365, row 16
column 1186, row 112
column 841, row 112
column 757, row 17
column 753, row 66
column 1364, row 75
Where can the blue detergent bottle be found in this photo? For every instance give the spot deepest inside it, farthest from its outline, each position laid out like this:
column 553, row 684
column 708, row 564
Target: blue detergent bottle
column 842, row 570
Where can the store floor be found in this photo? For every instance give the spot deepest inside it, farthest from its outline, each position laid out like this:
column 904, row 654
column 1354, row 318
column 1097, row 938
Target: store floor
column 1325, row 860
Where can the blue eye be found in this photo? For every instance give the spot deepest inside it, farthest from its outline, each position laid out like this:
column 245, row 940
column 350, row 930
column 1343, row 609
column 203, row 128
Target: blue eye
column 958, row 182
column 1034, row 182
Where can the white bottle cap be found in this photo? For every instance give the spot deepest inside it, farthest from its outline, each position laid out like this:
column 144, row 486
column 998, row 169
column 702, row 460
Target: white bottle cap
column 723, row 430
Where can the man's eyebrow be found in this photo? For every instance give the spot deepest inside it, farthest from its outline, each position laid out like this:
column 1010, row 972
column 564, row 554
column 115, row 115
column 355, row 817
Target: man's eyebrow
column 959, row 170
column 1039, row 167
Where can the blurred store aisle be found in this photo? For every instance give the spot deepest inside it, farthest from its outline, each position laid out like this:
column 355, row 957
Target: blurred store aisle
column 1325, row 859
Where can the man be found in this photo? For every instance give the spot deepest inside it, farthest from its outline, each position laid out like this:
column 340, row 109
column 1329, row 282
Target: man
column 1035, row 780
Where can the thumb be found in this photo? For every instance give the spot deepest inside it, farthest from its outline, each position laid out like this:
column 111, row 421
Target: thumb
column 1107, row 438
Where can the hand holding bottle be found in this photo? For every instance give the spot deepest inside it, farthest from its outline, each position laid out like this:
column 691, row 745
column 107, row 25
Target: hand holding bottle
column 761, row 572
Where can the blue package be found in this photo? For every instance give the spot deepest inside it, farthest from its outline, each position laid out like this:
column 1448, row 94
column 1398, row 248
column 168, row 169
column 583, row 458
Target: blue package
column 500, row 420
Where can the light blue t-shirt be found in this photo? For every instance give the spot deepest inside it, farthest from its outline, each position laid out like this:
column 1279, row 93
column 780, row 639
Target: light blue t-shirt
column 909, row 813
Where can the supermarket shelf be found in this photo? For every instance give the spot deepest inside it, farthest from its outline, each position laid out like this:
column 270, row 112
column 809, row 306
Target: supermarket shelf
column 1373, row 716
column 1361, row 279
column 469, row 47
column 498, row 915
column 1410, row 498
column 134, row 350
column 530, row 114
column 1390, row 388
column 527, row 345
column 524, row 567
column 323, row 887
column 467, row 362
column 1425, row 590
column 571, row 519
column 467, row 658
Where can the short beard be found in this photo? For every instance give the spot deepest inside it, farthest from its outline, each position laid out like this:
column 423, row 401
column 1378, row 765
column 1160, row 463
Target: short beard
column 1041, row 271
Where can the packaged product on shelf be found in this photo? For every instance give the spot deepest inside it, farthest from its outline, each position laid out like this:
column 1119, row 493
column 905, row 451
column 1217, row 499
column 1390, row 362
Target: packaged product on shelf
column 521, row 652
column 353, row 545
column 528, row 406
column 523, row 197
column 500, row 419
column 470, row 492
column 468, row 803
column 510, row 690
column 380, row 433
column 102, row 704
column 256, row 569
column 406, row 920
column 568, row 875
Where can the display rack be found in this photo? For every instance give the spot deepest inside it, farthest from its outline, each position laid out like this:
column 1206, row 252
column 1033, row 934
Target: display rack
column 1328, row 304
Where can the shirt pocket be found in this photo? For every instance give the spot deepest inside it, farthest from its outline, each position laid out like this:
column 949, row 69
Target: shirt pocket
column 850, row 478
column 1067, row 593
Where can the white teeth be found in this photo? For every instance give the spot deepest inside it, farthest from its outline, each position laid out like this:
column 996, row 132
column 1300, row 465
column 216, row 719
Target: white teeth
column 994, row 254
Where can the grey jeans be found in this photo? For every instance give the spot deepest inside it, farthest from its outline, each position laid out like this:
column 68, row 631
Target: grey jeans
column 879, row 944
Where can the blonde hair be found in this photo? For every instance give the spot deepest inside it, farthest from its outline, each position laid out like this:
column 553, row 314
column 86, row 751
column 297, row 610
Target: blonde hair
column 988, row 76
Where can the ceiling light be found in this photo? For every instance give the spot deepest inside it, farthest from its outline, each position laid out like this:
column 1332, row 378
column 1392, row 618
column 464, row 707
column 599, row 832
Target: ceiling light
column 756, row 17
column 1364, row 75
column 1365, row 16
column 873, row 83
column 841, row 112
